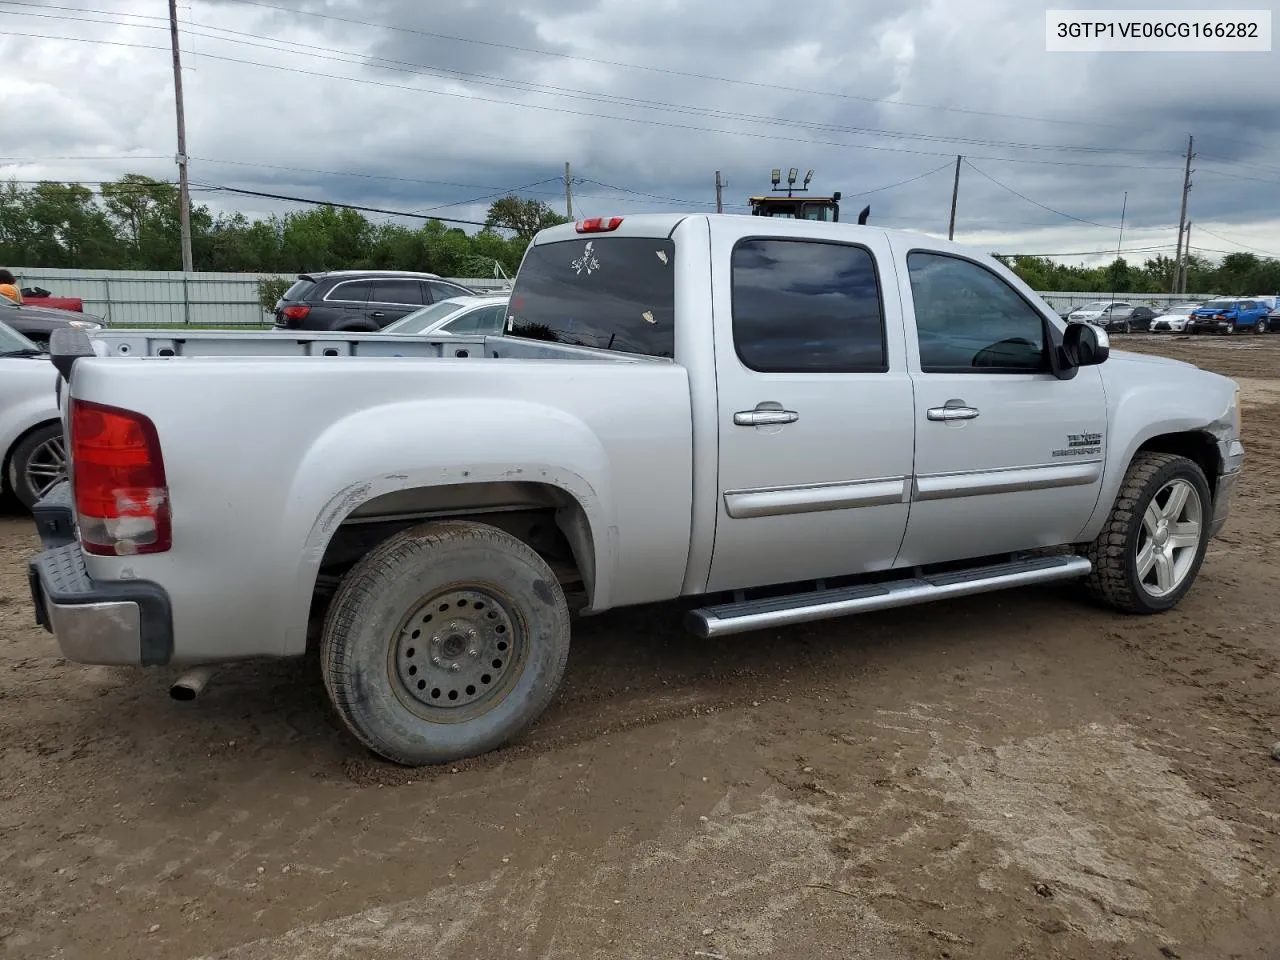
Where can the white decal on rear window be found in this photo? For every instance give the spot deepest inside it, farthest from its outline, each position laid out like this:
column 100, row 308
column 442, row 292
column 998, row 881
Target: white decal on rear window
column 648, row 315
column 587, row 261
column 662, row 255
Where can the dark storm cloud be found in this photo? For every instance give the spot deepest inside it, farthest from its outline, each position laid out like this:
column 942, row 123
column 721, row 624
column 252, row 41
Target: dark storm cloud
column 867, row 94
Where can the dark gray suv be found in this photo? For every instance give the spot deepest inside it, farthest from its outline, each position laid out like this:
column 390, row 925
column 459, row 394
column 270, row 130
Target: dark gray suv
column 360, row 300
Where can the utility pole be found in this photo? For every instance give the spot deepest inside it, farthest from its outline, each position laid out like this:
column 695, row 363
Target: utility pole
column 1186, row 263
column 568, row 185
column 184, row 191
column 955, row 194
column 1123, row 207
column 719, row 194
column 1182, row 217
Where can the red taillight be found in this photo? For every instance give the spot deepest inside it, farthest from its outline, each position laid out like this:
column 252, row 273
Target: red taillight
column 598, row 224
column 121, row 496
column 297, row 311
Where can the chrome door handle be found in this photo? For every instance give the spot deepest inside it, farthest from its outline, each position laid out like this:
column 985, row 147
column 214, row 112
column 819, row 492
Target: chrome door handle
column 952, row 413
column 760, row 418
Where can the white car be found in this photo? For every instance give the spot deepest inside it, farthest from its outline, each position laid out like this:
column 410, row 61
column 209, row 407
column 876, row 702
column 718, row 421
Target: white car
column 458, row 316
column 1174, row 320
column 1101, row 312
column 34, row 458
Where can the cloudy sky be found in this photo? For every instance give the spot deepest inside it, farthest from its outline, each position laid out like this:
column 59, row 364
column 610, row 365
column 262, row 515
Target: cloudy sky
column 428, row 105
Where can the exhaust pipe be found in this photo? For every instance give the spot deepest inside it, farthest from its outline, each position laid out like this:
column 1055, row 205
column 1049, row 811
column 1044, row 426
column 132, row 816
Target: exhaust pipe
column 191, row 684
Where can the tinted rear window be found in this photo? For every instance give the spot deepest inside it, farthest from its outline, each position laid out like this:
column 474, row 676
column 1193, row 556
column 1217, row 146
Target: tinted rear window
column 616, row 293
column 299, row 290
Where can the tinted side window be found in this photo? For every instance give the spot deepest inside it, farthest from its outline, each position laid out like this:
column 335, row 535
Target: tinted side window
column 397, row 291
column 968, row 318
column 492, row 320
column 487, row 321
column 351, row 290
column 803, row 306
column 299, row 290
column 443, row 291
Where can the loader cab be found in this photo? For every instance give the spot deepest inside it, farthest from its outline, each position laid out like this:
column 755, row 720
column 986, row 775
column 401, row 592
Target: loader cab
column 793, row 202
column 826, row 209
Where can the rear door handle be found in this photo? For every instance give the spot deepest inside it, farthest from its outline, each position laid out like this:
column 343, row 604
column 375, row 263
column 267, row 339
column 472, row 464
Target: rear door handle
column 952, row 413
column 377, row 314
column 760, row 418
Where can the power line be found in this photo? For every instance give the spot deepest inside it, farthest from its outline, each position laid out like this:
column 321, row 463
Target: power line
column 676, row 73
column 582, row 113
column 345, row 173
column 489, row 196
column 333, row 203
column 1037, row 203
column 403, row 66
column 1089, row 253
column 1265, row 253
column 127, row 156
column 899, row 183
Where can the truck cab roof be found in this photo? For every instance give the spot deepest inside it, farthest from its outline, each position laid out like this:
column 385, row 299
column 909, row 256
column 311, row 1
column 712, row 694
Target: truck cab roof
column 665, row 224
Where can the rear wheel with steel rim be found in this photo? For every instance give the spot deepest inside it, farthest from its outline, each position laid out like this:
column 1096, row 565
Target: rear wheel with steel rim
column 1152, row 545
column 1260, row 326
column 445, row 641
column 38, row 462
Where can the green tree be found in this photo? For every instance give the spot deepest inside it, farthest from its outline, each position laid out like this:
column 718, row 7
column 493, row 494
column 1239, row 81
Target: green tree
column 525, row 217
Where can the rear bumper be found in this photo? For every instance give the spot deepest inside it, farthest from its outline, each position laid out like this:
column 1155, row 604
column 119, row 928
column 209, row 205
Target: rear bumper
column 114, row 623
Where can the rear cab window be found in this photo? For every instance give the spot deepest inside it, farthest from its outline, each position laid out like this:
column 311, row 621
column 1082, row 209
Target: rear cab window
column 610, row 292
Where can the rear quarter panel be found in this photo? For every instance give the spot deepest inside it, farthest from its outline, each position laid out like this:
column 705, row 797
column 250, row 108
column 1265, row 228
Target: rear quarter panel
column 265, row 458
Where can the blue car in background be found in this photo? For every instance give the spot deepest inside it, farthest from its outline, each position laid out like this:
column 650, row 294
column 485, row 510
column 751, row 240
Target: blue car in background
column 1229, row 316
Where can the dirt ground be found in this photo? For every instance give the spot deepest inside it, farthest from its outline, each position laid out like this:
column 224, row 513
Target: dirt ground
column 1020, row 775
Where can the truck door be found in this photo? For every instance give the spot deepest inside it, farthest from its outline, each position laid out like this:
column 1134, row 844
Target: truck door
column 816, row 427
column 1008, row 457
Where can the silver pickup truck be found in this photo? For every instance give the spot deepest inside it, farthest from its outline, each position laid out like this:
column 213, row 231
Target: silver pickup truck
column 780, row 420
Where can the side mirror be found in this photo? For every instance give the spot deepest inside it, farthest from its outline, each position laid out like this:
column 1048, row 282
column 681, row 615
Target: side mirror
column 1084, row 345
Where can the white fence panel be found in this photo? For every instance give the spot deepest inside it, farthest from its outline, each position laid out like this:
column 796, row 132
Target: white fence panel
column 127, row 298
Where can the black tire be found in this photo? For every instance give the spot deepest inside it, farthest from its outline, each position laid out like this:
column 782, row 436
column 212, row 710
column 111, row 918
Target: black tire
column 1126, row 327
column 1260, row 326
column 1230, row 328
column 1114, row 579
column 31, row 453
column 511, row 613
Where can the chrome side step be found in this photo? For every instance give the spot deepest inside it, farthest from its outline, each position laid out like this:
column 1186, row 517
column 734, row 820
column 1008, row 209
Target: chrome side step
column 729, row 618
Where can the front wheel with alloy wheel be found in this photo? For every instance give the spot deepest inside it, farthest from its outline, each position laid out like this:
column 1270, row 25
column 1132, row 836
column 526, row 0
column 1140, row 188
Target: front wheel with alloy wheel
column 444, row 642
column 38, row 463
column 1152, row 545
column 1229, row 327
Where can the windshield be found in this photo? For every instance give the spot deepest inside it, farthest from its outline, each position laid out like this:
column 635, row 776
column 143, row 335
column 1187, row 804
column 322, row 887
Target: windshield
column 1183, row 309
column 11, row 340
column 419, row 320
column 1219, row 305
column 616, row 293
column 1096, row 307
